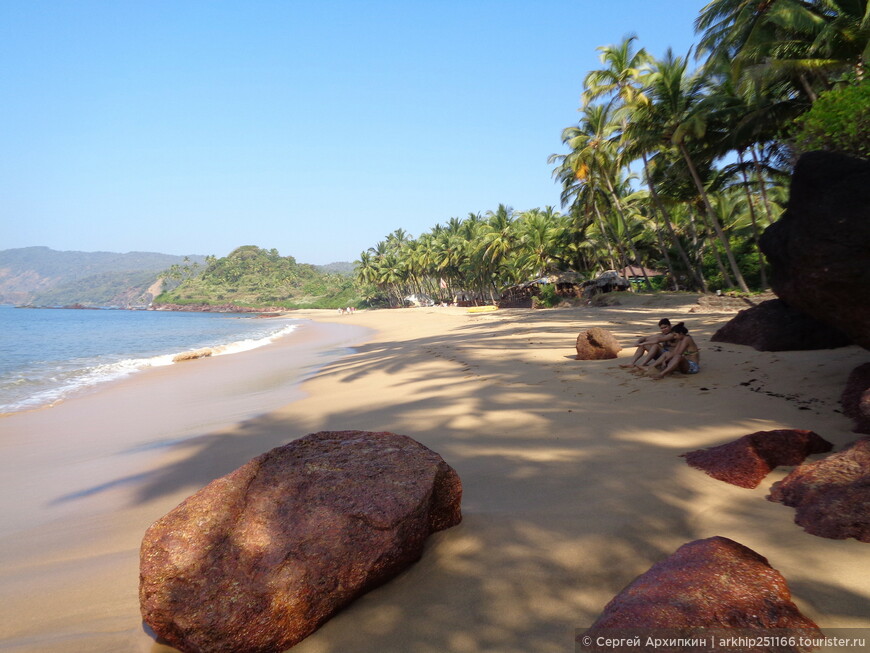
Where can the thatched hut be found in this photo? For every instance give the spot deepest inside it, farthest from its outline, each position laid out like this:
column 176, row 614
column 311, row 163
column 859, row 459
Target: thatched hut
column 605, row 282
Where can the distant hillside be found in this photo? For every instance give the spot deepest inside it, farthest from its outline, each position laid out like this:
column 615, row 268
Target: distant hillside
column 47, row 277
column 340, row 267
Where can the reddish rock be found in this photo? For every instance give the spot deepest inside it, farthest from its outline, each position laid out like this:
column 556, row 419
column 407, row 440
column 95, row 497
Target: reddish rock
column 774, row 326
column 856, row 398
column 832, row 496
column 713, row 583
column 817, row 250
column 746, row 461
column 597, row 344
column 260, row 558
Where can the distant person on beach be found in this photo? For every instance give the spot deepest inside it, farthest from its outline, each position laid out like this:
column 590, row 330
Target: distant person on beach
column 651, row 347
column 684, row 356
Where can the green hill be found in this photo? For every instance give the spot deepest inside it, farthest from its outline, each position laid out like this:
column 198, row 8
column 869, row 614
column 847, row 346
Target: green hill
column 253, row 277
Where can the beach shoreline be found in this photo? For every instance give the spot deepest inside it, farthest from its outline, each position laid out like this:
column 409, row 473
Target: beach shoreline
column 572, row 479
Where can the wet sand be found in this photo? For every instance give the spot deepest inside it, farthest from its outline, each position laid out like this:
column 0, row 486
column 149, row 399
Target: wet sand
column 573, row 484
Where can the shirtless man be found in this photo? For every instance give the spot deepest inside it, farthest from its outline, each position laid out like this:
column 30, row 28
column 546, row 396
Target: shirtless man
column 684, row 357
column 651, row 347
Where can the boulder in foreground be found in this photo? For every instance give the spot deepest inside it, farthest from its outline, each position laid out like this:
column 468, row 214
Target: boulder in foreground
column 746, row 461
column 260, row 558
column 714, row 583
column 597, row 344
column 832, row 496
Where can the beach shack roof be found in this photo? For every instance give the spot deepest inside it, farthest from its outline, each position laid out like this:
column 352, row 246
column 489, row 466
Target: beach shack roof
column 568, row 276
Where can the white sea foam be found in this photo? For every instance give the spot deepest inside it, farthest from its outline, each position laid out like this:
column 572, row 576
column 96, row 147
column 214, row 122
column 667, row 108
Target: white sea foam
column 253, row 343
column 65, row 381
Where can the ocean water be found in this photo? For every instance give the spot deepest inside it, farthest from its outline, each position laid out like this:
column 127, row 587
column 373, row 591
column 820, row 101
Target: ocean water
column 47, row 355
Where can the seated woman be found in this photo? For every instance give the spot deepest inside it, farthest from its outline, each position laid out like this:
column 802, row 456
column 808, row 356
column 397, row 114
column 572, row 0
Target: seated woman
column 651, row 347
column 685, row 357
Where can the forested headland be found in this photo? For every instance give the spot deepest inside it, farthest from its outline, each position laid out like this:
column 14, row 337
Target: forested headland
column 253, row 277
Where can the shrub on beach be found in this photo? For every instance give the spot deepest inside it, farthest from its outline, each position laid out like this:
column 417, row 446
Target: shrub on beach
column 547, row 298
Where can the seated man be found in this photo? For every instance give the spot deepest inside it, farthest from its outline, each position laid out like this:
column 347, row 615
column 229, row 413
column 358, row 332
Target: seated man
column 684, row 356
column 651, row 347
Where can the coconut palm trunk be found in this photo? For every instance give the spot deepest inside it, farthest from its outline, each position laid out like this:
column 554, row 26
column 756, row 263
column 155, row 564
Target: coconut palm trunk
column 711, row 214
column 618, row 205
column 666, row 218
column 756, row 237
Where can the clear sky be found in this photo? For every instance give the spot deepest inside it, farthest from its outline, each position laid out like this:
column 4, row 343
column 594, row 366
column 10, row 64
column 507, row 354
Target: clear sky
column 315, row 127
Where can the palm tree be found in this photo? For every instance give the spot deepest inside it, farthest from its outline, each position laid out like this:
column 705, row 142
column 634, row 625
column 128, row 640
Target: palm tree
column 541, row 236
column 591, row 171
column 676, row 107
column 810, row 43
column 621, row 77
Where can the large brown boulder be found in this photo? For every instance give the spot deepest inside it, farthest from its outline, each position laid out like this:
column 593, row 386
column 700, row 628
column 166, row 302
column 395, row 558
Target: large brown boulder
column 818, row 249
column 714, row 583
column 856, row 398
column 774, row 326
column 746, row 461
column 260, row 558
column 597, row 344
column 832, row 496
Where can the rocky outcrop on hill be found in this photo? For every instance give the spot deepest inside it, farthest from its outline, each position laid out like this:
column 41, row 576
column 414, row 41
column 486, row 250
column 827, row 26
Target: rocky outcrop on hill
column 831, row 496
column 774, row 326
column 856, row 398
column 818, row 249
column 712, row 583
column 597, row 344
column 746, row 461
column 260, row 558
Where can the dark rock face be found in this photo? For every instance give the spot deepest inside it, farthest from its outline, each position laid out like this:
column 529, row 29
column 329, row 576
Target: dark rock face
column 856, row 398
column 712, row 583
column 746, row 461
column 818, row 248
column 597, row 344
column 260, row 558
column 774, row 326
column 832, row 496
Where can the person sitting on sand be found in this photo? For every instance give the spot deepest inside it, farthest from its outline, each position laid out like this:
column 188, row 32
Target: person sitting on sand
column 651, row 347
column 684, row 357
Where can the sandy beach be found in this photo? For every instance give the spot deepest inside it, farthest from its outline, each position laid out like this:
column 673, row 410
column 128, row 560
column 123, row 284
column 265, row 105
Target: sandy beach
column 572, row 479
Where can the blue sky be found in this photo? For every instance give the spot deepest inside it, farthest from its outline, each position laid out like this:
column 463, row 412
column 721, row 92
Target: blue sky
column 316, row 128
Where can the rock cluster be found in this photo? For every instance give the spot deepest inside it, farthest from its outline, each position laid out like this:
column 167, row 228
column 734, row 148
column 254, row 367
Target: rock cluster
column 774, row 326
column 711, row 583
column 818, row 249
column 260, row 558
column 746, row 461
column 832, row 496
column 597, row 344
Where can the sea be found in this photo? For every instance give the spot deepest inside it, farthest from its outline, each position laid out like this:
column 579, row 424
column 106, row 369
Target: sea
column 48, row 355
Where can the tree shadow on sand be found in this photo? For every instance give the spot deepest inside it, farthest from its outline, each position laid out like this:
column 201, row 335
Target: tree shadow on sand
column 554, row 525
